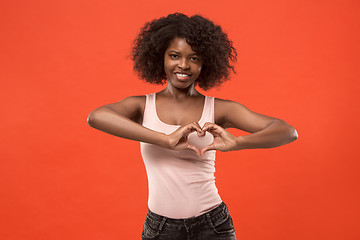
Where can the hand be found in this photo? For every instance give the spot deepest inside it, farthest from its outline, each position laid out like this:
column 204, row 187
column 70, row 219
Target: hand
column 178, row 140
column 223, row 140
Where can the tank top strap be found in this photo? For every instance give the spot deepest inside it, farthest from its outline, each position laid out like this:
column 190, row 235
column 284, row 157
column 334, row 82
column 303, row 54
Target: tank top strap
column 150, row 98
column 208, row 110
column 149, row 111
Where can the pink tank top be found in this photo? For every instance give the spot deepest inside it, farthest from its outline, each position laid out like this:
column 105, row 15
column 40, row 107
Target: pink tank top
column 181, row 184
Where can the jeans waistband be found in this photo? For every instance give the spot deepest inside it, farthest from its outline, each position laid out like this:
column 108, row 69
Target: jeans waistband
column 213, row 213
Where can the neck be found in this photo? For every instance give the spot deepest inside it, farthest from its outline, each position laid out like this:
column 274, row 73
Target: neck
column 180, row 92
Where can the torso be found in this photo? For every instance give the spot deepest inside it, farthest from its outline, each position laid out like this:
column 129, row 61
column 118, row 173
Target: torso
column 181, row 183
column 180, row 112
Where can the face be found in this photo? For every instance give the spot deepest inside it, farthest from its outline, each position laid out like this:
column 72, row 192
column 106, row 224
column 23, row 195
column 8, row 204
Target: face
column 181, row 64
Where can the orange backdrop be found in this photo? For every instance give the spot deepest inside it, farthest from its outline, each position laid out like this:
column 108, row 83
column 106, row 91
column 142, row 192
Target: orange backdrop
column 61, row 179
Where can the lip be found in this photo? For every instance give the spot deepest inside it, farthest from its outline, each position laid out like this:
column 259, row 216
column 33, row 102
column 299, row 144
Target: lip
column 182, row 78
column 183, row 73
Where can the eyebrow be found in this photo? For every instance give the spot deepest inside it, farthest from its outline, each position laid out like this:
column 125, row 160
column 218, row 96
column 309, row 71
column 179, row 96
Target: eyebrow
column 180, row 52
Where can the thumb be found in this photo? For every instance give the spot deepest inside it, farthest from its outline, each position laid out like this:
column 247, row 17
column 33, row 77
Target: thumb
column 193, row 148
column 207, row 148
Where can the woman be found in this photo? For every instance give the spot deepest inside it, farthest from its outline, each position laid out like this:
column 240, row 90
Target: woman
column 180, row 129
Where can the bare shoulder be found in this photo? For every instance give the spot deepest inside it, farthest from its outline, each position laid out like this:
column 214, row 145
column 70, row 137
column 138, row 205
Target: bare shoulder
column 131, row 107
column 224, row 102
column 230, row 114
column 224, row 105
column 222, row 108
column 129, row 102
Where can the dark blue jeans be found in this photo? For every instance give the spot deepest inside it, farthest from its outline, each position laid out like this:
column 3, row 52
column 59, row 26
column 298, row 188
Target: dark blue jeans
column 215, row 224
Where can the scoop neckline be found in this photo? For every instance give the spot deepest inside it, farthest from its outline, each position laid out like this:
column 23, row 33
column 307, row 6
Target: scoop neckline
column 173, row 125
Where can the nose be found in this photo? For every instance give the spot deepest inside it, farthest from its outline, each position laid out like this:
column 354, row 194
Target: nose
column 183, row 63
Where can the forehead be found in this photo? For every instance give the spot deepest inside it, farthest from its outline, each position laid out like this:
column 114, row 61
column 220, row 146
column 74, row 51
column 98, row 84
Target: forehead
column 180, row 45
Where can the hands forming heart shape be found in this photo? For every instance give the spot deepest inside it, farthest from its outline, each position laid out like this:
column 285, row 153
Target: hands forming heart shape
column 223, row 140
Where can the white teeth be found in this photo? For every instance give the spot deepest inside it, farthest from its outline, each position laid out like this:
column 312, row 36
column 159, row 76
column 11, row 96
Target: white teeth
column 182, row 75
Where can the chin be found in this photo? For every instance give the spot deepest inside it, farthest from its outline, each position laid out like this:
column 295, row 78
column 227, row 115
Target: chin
column 182, row 85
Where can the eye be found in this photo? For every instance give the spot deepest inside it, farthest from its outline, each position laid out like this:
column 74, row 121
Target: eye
column 194, row 59
column 174, row 56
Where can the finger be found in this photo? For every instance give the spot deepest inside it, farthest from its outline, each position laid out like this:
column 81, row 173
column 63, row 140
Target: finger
column 205, row 127
column 194, row 148
column 208, row 125
column 186, row 130
column 199, row 130
column 213, row 128
column 197, row 127
column 207, row 148
column 194, row 127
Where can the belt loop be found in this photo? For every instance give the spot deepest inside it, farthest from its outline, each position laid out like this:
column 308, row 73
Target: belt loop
column 162, row 223
column 209, row 220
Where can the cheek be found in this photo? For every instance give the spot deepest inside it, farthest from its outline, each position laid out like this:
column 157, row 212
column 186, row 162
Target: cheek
column 199, row 69
column 169, row 64
column 166, row 67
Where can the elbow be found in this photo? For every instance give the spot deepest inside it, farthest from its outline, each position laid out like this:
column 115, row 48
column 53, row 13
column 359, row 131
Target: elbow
column 91, row 119
column 293, row 134
column 290, row 132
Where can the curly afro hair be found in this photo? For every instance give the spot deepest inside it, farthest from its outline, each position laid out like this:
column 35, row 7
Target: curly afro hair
column 205, row 38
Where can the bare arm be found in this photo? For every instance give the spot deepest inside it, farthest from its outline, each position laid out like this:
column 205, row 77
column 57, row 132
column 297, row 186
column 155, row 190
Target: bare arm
column 275, row 134
column 266, row 132
column 123, row 119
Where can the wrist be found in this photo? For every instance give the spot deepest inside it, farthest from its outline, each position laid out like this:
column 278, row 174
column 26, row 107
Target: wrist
column 164, row 140
column 240, row 143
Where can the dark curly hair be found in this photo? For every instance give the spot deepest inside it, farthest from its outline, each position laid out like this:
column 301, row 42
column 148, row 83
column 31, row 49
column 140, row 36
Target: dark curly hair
column 205, row 38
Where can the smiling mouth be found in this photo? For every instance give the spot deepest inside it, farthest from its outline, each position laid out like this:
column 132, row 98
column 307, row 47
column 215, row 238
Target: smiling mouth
column 182, row 76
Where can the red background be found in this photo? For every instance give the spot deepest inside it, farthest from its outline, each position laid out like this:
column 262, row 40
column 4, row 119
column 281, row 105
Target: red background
column 61, row 179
